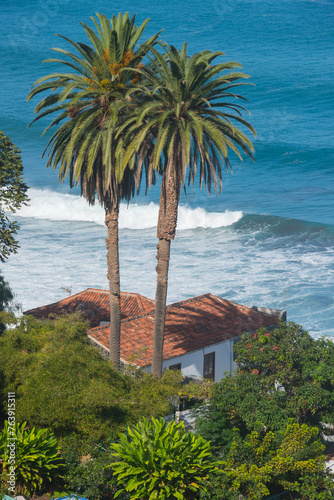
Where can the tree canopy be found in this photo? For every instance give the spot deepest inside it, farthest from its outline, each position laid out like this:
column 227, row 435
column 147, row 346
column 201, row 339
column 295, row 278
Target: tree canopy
column 12, row 194
column 89, row 104
column 6, row 301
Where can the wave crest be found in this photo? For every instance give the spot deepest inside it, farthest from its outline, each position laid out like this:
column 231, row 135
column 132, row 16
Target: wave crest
column 50, row 205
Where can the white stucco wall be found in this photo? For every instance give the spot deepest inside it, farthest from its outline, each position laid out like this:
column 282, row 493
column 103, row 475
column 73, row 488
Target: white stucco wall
column 192, row 363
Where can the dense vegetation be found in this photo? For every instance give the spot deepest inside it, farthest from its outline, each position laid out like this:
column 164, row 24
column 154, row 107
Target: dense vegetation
column 161, row 460
column 12, row 194
column 266, row 420
column 33, row 455
column 289, row 462
column 281, row 374
column 262, row 441
column 62, row 382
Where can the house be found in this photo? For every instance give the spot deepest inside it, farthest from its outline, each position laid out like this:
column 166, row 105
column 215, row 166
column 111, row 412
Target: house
column 199, row 332
column 199, row 335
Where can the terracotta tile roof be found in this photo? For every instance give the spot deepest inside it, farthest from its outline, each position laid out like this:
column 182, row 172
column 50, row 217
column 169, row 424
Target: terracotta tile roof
column 94, row 304
column 190, row 325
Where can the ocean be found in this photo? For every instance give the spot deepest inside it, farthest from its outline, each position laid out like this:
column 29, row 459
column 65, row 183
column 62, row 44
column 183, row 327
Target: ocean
column 269, row 235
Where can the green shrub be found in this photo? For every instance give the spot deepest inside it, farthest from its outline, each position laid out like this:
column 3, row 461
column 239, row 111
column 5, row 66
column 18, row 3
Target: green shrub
column 87, row 476
column 81, row 393
column 266, row 463
column 281, row 374
column 160, row 461
column 32, row 456
column 215, row 427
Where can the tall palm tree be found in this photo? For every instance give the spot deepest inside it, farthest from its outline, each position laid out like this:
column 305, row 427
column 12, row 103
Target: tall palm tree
column 91, row 104
column 187, row 112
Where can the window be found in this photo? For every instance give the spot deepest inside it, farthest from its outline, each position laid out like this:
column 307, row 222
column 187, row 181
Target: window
column 177, row 366
column 209, row 366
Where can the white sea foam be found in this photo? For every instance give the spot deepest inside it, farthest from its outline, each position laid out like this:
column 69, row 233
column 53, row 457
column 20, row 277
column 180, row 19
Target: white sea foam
column 50, row 205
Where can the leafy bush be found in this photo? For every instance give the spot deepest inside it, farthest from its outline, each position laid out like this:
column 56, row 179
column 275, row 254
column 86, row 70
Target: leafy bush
column 281, row 374
column 213, row 425
column 29, row 455
column 161, row 461
column 264, row 463
column 81, row 393
column 88, row 476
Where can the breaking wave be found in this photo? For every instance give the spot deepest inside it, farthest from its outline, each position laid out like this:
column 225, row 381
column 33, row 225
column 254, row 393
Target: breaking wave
column 51, row 205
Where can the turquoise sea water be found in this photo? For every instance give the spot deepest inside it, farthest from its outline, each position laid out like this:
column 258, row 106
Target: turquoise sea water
column 272, row 227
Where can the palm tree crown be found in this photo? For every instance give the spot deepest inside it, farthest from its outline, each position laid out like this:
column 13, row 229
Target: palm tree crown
column 188, row 113
column 187, row 102
column 90, row 105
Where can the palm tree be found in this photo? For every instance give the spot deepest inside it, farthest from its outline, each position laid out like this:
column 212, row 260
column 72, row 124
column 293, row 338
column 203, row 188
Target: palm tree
column 187, row 114
column 91, row 104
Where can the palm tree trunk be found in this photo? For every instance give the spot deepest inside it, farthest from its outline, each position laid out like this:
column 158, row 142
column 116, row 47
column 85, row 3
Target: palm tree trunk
column 111, row 221
column 167, row 221
column 160, row 305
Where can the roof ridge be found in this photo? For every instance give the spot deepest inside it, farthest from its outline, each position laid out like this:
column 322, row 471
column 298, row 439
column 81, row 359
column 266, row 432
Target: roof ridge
column 125, row 320
column 138, row 295
column 141, row 301
column 175, row 304
column 65, row 299
column 191, row 299
column 220, row 299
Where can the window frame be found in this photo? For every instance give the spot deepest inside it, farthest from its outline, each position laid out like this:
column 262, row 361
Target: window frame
column 176, row 366
column 206, row 364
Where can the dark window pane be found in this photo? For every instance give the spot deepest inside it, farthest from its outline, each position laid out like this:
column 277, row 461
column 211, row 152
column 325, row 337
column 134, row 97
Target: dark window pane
column 209, row 366
column 177, row 366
